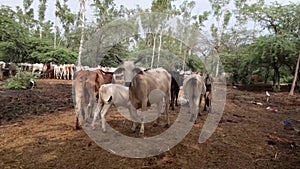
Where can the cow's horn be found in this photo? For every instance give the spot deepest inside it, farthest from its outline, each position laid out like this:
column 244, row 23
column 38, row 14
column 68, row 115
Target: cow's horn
column 121, row 61
column 139, row 59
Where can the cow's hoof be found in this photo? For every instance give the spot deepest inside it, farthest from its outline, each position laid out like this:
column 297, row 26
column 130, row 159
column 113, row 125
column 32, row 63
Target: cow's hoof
column 133, row 130
column 104, row 131
column 167, row 125
column 78, row 127
column 192, row 118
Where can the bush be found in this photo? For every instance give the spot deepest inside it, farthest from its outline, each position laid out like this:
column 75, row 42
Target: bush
column 23, row 80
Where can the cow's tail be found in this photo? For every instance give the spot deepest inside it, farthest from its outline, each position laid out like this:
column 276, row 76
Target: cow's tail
column 194, row 97
column 193, row 84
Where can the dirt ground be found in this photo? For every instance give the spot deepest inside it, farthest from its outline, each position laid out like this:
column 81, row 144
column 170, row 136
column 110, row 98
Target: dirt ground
column 37, row 131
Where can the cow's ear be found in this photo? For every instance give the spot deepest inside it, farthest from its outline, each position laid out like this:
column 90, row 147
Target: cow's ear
column 119, row 70
column 138, row 70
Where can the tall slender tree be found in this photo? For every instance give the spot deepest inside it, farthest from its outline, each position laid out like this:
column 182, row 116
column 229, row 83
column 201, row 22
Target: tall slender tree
column 82, row 20
column 42, row 10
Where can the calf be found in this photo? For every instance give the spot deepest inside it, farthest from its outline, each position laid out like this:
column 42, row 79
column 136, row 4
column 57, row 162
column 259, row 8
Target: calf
column 85, row 87
column 113, row 94
column 194, row 89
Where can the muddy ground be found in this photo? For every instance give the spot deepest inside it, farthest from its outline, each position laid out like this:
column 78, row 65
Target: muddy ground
column 37, row 131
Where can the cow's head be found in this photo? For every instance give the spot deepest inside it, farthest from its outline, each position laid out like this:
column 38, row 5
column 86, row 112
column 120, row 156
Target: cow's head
column 129, row 70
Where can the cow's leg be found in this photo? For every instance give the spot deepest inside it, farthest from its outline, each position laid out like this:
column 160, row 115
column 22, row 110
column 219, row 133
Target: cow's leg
column 176, row 98
column 172, row 100
column 96, row 114
column 133, row 115
column 78, row 109
column 200, row 100
column 205, row 101
column 103, row 114
column 144, row 108
column 86, row 109
column 167, row 96
column 60, row 74
column 209, row 102
column 159, row 111
column 90, row 107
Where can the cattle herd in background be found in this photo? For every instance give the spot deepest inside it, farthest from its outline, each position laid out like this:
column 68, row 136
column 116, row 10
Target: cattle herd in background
column 96, row 89
column 44, row 70
column 47, row 70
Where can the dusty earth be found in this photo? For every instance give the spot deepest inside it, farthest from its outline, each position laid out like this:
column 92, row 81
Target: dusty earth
column 37, row 131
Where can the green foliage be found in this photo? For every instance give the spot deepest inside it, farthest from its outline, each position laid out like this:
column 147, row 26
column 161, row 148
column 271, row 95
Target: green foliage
column 59, row 55
column 23, row 80
column 109, row 58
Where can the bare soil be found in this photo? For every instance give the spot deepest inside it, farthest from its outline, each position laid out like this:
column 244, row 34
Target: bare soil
column 37, row 131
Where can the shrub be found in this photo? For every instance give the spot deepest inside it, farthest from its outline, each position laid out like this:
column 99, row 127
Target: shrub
column 23, row 80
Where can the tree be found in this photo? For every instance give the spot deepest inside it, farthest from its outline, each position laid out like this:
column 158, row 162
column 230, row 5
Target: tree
column 280, row 48
column 295, row 77
column 42, row 9
column 221, row 12
column 67, row 19
column 82, row 19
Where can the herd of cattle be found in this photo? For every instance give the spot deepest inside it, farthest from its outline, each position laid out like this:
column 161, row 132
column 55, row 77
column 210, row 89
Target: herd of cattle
column 47, row 70
column 136, row 88
column 129, row 86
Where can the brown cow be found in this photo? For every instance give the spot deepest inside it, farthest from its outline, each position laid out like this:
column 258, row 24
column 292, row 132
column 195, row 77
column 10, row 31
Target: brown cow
column 48, row 70
column 142, row 83
column 86, row 86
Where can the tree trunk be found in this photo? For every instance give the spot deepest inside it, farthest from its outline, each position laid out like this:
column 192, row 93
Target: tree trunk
column 55, row 31
column 41, row 31
column 180, row 47
column 295, row 77
column 159, row 48
column 266, row 76
column 82, row 8
column 184, row 58
column 153, row 50
column 217, row 68
column 276, row 80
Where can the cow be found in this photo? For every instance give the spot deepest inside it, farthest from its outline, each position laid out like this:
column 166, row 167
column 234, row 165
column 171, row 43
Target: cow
column 2, row 66
column 208, row 80
column 37, row 67
column 48, row 70
column 85, row 87
column 194, row 89
column 142, row 82
column 118, row 78
column 113, row 94
column 57, row 72
column 177, row 80
column 68, row 71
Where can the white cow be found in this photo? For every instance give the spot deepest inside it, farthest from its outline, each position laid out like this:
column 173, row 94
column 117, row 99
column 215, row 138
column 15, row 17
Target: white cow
column 194, row 89
column 113, row 94
column 37, row 67
column 2, row 64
